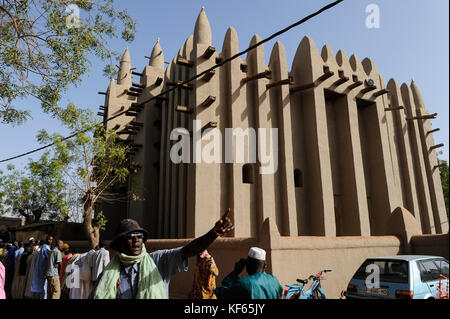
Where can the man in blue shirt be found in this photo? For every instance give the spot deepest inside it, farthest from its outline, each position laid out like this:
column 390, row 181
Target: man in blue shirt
column 135, row 274
column 39, row 279
column 257, row 285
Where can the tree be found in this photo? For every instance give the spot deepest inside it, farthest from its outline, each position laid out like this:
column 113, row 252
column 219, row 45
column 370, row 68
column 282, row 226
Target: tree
column 443, row 168
column 37, row 192
column 45, row 47
column 94, row 161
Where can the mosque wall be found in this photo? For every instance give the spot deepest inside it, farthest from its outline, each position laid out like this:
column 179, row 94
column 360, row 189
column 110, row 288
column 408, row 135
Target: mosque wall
column 349, row 149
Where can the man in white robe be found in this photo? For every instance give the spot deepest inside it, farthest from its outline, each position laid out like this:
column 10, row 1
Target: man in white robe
column 100, row 261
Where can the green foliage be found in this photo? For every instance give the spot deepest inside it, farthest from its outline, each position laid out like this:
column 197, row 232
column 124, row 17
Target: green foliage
column 43, row 50
column 37, row 192
column 444, row 180
column 100, row 220
column 94, row 160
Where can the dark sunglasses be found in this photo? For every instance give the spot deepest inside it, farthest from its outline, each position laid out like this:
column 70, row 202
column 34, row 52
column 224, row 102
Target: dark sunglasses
column 138, row 235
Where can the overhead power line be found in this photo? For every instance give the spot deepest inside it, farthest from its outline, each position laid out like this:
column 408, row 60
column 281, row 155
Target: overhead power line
column 179, row 84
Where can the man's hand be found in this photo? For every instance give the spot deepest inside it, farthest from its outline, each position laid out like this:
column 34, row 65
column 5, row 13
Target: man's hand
column 198, row 245
column 224, row 225
column 209, row 261
column 240, row 265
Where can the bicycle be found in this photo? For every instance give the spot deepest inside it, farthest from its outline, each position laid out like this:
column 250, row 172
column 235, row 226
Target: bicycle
column 296, row 291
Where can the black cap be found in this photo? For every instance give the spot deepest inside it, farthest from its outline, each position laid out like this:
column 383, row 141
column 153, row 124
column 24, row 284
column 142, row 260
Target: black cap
column 125, row 227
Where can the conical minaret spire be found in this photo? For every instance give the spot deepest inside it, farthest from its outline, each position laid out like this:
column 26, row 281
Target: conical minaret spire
column 157, row 56
column 202, row 30
column 418, row 99
column 111, row 86
column 112, row 82
column 124, row 76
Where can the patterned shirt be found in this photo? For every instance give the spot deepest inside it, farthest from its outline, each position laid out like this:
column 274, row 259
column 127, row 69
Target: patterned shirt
column 204, row 279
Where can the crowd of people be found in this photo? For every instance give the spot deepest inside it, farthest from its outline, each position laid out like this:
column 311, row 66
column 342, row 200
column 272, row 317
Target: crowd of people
column 47, row 269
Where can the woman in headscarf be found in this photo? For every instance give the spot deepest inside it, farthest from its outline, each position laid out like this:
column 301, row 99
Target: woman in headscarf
column 204, row 277
column 67, row 256
column 68, row 271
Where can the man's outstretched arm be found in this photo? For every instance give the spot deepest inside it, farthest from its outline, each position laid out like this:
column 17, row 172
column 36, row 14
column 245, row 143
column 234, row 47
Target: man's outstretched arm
column 198, row 245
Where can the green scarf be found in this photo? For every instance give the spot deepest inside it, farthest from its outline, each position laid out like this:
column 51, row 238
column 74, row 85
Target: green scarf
column 150, row 283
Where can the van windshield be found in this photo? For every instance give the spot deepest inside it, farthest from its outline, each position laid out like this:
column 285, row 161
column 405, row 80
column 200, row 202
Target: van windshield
column 389, row 270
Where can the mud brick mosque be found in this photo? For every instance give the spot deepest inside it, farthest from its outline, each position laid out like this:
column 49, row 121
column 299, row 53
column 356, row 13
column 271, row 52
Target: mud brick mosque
column 357, row 172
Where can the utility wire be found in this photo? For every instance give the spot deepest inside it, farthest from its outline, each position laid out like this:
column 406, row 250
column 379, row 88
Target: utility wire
column 179, row 84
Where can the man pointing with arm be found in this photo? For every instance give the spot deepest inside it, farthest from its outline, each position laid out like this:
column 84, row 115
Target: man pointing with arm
column 135, row 274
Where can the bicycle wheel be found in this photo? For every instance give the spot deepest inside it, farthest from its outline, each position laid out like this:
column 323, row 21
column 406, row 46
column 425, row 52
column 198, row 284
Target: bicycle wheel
column 316, row 294
column 294, row 296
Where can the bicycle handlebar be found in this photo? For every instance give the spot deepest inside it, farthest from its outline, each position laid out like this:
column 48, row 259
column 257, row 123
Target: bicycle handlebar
column 313, row 277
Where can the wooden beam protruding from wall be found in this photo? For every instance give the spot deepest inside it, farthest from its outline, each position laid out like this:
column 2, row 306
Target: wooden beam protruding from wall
column 380, row 92
column 209, row 125
column 134, row 123
column 422, row 117
column 433, row 131
column 136, row 107
column 266, row 74
column 209, row 52
column 327, row 74
column 137, row 90
column 394, row 108
column 355, row 84
column 184, row 109
column 208, row 101
column 289, row 80
column 131, row 113
column 436, row 146
column 342, row 78
column 368, row 89
column 208, row 76
column 185, row 62
column 181, row 85
column 131, row 93
column 158, row 81
column 139, row 85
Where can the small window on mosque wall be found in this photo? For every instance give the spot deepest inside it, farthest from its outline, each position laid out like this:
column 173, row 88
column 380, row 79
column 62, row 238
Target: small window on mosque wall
column 248, row 174
column 298, row 178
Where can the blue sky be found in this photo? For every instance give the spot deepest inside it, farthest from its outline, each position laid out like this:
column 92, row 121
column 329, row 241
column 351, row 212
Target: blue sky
column 412, row 42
